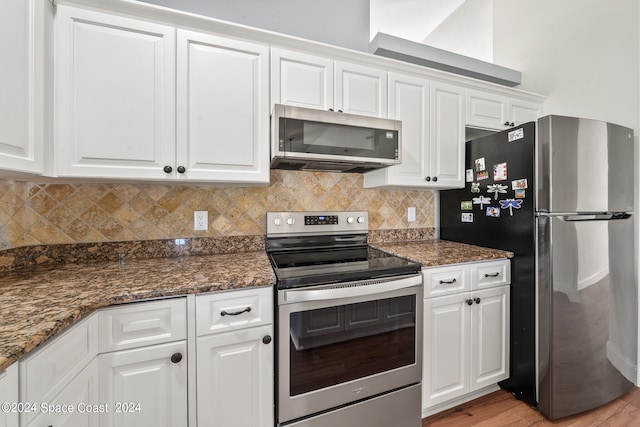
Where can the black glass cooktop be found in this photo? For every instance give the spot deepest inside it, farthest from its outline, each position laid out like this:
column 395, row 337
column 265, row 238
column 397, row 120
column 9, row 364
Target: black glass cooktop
column 322, row 266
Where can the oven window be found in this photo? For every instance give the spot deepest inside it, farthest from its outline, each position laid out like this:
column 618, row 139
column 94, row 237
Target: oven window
column 333, row 345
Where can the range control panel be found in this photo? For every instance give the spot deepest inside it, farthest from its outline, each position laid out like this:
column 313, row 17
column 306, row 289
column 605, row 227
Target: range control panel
column 317, row 222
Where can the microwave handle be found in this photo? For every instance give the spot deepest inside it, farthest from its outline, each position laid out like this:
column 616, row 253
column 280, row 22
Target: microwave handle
column 351, row 289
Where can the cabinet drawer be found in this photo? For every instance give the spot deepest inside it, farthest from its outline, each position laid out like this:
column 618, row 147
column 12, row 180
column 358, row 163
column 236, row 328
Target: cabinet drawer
column 47, row 371
column 490, row 274
column 142, row 324
column 445, row 280
column 226, row 311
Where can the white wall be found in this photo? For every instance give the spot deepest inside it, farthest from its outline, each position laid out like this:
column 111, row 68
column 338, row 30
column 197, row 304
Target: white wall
column 337, row 22
column 467, row 31
column 582, row 54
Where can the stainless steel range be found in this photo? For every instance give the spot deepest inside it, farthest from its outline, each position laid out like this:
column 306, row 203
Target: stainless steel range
column 349, row 334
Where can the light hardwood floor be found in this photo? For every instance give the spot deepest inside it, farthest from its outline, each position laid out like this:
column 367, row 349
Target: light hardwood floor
column 501, row 409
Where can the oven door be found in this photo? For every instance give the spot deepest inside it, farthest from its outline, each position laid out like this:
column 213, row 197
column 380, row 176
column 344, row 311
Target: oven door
column 346, row 342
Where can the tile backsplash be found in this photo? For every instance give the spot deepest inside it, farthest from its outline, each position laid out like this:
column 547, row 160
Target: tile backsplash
column 34, row 213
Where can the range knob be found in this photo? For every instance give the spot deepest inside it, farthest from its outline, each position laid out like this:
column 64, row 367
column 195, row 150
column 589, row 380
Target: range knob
column 291, row 221
column 277, row 221
column 350, row 220
column 360, row 220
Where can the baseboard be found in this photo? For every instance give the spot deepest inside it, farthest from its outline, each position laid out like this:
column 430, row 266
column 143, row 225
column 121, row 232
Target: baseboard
column 458, row 401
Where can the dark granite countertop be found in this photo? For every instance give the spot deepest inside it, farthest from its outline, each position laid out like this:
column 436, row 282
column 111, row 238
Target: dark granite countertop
column 432, row 253
column 39, row 302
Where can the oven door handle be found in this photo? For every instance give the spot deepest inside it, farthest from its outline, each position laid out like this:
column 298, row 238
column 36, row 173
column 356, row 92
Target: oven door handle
column 348, row 290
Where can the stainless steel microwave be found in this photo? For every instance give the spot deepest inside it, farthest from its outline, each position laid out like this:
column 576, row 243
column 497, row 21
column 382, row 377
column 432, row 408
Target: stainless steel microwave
column 307, row 139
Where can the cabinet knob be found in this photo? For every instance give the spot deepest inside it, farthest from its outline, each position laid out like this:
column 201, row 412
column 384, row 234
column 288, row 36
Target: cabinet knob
column 435, row 178
column 330, row 109
column 266, row 339
column 469, row 302
column 428, row 179
column 181, row 169
column 176, row 357
column 167, row 169
column 477, row 300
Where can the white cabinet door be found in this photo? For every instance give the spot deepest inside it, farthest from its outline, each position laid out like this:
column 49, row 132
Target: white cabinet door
column 360, row 89
column 145, row 387
column 9, row 393
column 115, row 99
column 486, row 110
column 447, row 136
column 408, row 102
column 489, row 337
column 235, row 378
column 445, row 373
column 521, row 111
column 223, row 109
column 21, row 85
column 77, row 405
column 301, row 80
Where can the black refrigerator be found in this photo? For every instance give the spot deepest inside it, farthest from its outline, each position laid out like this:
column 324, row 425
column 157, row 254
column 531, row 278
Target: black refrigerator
column 558, row 193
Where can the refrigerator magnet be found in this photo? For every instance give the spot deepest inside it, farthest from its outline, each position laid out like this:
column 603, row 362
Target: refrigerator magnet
column 493, row 211
column 480, row 166
column 466, row 205
column 467, row 217
column 510, row 204
column 515, row 135
column 500, row 172
column 497, row 189
column 482, row 175
column 475, row 187
column 469, row 175
column 520, row 194
column 519, row 184
column 482, row 200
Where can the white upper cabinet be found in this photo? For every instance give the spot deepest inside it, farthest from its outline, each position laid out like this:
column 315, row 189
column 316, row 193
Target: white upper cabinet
column 447, row 136
column 301, row 80
column 488, row 110
column 432, row 115
column 408, row 102
column 223, row 109
column 115, row 96
column 138, row 101
column 360, row 89
column 310, row 81
column 23, row 24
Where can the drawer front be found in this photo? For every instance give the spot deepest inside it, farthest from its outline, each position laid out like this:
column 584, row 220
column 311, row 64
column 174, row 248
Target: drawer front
column 490, row 274
column 142, row 323
column 440, row 281
column 47, row 371
column 226, row 311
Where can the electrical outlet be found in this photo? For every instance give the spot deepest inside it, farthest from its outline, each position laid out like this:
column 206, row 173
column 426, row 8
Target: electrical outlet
column 411, row 214
column 201, row 220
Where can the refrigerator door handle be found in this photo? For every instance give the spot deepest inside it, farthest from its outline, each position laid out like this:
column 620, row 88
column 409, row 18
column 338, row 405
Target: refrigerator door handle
column 609, row 216
column 604, row 216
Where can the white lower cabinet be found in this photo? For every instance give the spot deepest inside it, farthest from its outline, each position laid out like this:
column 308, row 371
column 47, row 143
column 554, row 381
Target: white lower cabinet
column 235, row 366
column 145, row 387
column 77, row 405
column 235, row 378
column 127, row 366
column 466, row 334
column 9, row 393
